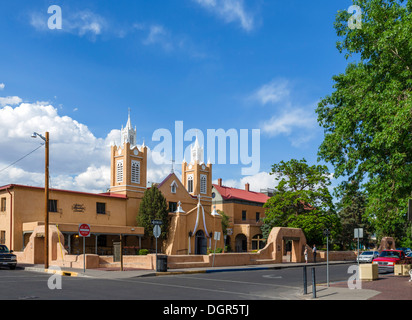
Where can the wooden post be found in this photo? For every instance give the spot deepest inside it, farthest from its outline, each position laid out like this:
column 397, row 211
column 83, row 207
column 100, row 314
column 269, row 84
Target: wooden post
column 46, row 203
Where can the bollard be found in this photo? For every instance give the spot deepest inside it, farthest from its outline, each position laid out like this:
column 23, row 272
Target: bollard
column 305, row 281
column 313, row 283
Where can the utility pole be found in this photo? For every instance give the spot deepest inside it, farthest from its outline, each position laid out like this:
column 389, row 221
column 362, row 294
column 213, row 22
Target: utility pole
column 46, row 203
column 46, row 197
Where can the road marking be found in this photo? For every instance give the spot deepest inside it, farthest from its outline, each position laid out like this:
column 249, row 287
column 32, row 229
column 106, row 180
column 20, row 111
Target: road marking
column 277, row 297
column 244, row 282
column 272, row 276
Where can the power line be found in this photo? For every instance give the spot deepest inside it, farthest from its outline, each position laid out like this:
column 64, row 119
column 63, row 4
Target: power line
column 41, row 145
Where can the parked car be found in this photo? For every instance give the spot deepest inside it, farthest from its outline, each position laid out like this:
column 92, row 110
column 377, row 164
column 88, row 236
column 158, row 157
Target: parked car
column 409, row 254
column 367, row 256
column 405, row 250
column 7, row 258
column 388, row 258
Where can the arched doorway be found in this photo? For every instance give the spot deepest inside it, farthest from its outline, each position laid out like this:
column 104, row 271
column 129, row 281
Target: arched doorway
column 241, row 243
column 200, row 243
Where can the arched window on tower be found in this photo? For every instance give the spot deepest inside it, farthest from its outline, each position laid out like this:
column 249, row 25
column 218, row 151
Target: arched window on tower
column 119, row 171
column 190, row 183
column 135, row 172
column 203, row 184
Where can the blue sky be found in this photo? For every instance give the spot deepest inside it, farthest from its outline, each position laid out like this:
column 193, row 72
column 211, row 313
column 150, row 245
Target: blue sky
column 211, row 64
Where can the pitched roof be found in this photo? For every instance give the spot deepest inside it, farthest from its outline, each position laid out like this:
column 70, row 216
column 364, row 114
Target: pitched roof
column 228, row 193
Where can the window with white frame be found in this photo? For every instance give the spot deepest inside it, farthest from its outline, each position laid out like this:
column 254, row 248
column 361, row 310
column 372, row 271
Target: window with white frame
column 173, row 187
column 119, row 170
column 135, row 171
column 190, row 183
column 203, row 183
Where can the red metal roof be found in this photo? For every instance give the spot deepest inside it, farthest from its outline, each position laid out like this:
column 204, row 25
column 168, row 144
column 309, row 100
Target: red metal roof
column 228, row 193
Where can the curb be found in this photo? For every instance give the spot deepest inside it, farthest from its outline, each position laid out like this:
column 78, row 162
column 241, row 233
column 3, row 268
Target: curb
column 53, row 271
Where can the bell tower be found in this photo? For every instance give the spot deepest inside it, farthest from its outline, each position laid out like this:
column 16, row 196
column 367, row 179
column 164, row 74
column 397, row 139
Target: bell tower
column 128, row 173
column 196, row 175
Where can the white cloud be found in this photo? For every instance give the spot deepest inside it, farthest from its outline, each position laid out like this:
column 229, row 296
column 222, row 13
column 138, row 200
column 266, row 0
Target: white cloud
column 2, row 86
column 288, row 121
column 82, row 23
column 273, row 92
column 9, row 101
column 230, row 11
column 78, row 160
column 159, row 35
column 289, row 118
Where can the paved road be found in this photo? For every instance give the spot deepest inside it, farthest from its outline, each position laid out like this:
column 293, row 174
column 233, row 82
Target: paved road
column 283, row 284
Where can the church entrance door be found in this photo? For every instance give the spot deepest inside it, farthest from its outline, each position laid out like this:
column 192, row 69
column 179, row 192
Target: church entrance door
column 201, row 243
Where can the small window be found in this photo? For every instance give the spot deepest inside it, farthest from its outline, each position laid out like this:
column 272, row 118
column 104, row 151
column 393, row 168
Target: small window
column 2, row 237
column 52, row 205
column 244, row 215
column 203, row 184
column 173, row 187
column 257, row 216
column 135, row 172
column 3, row 205
column 100, row 208
column 190, row 183
column 119, row 171
column 172, row 206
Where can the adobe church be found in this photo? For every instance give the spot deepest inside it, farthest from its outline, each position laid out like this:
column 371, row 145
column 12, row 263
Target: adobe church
column 113, row 213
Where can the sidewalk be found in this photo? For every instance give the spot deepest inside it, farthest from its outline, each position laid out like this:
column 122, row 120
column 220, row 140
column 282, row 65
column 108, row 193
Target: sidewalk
column 387, row 287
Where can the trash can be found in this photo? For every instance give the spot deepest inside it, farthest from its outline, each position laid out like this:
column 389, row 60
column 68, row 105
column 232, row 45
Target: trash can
column 161, row 263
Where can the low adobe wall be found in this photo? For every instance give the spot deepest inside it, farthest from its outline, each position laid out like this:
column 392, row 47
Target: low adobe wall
column 270, row 254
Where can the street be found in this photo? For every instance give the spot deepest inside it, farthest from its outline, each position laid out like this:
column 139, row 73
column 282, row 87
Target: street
column 282, row 284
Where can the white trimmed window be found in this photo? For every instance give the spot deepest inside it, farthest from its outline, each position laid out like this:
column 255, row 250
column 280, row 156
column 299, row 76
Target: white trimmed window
column 203, row 183
column 173, row 187
column 190, row 183
column 119, row 170
column 135, row 171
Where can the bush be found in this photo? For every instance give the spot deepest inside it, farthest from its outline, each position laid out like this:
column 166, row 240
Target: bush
column 143, row 252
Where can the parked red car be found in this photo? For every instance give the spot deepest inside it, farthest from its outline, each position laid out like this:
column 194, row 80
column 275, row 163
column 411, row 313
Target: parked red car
column 388, row 258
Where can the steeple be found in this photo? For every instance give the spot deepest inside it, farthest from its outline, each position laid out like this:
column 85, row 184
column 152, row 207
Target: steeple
column 128, row 134
column 196, row 152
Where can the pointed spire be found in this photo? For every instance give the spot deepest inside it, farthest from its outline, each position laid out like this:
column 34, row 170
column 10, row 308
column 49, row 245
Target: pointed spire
column 128, row 134
column 129, row 123
column 196, row 151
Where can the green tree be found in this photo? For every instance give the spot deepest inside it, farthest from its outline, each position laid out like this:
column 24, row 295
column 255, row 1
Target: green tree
column 302, row 200
column 367, row 120
column 153, row 206
column 352, row 214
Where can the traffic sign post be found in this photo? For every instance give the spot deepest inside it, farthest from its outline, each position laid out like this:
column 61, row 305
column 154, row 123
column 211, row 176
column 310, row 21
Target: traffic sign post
column 217, row 238
column 156, row 232
column 84, row 232
column 358, row 234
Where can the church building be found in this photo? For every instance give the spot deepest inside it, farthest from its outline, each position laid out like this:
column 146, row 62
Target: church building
column 193, row 220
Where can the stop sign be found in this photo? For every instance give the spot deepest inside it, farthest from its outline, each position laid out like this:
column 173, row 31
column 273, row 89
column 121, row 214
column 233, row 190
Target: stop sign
column 84, row 230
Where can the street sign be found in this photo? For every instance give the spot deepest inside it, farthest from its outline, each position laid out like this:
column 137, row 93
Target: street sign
column 217, row 236
column 358, row 233
column 84, row 230
column 157, row 231
column 326, row 232
column 157, row 222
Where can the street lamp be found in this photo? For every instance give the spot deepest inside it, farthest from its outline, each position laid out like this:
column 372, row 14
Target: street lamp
column 46, row 198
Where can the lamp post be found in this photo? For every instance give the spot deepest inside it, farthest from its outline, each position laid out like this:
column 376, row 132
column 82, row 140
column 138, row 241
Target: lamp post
column 46, row 198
